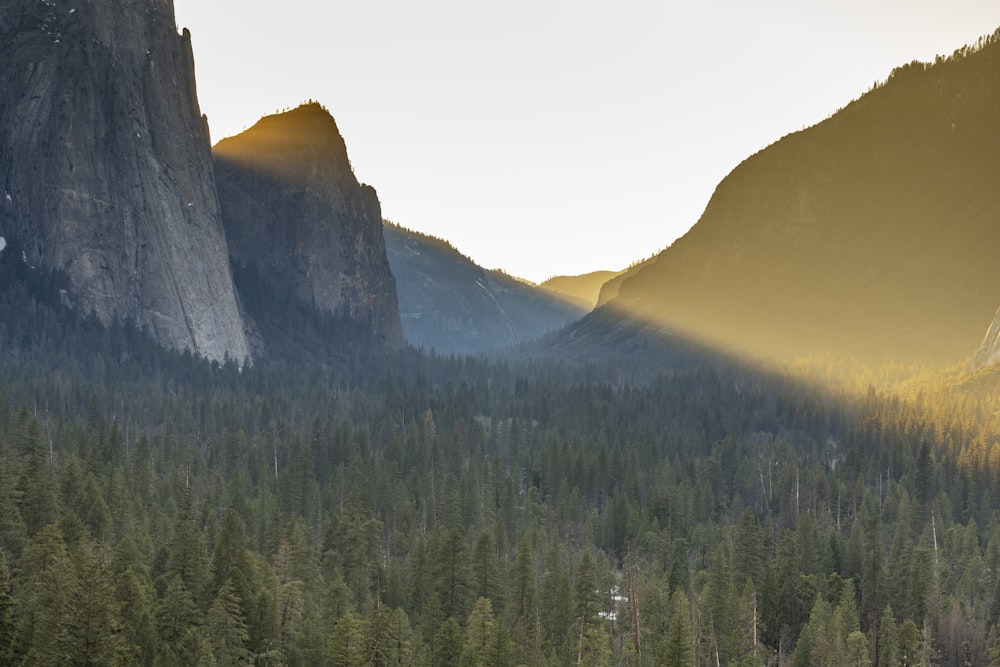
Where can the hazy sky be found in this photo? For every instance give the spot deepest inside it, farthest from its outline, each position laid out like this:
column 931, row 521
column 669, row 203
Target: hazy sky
column 553, row 136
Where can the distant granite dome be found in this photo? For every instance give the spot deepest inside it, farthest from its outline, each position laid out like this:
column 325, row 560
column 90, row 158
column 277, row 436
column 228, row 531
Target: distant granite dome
column 105, row 167
column 293, row 208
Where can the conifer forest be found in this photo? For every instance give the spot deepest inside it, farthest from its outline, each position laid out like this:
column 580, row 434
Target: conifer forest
column 337, row 504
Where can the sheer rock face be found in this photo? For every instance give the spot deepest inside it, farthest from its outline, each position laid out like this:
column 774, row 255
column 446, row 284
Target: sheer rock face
column 292, row 207
column 105, row 167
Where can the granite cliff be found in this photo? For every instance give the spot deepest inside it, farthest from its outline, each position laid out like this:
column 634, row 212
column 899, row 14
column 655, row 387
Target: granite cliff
column 293, row 209
column 105, row 167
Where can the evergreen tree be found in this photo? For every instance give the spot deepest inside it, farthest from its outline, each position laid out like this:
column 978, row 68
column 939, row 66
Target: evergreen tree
column 888, row 643
column 522, row 600
column 347, row 642
column 36, row 492
column 448, row 644
column 45, row 581
column 187, row 559
column 138, row 626
column 7, row 609
column 95, row 634
column 748, row 549
column 485, row 569
column 227, row 630
column 675, row 647
column 449, row 573
column 176, row 613
column 479, row 630
column 586, row 596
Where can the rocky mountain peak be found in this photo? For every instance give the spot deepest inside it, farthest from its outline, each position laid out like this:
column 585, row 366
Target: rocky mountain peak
column 293, row 208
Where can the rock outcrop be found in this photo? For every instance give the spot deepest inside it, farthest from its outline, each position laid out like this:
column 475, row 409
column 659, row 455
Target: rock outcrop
column 293, row 208
column 105, row 167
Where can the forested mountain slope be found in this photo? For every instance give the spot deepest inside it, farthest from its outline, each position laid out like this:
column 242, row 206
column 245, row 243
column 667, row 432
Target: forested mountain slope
column 871, row 235
column 450, row 304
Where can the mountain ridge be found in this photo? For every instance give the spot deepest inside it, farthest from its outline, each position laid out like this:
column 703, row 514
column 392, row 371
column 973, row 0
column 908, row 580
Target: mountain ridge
column 869, row 235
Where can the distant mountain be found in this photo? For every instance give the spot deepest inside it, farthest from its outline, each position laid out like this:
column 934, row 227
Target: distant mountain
column 451, row 305
column 583, row 288
column 295, row 213
column 609, row 290
column 105, row 168
column 872, row 235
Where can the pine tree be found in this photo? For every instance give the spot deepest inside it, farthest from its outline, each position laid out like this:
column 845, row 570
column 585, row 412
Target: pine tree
column 13, row 531
column 748, row 550
column 448, row 644
column 138, row 625
column 176, row 613
column 7, row 609
column 522, row 600
column 478, row 632
column 187, row 559
column 347, row 647
column 288, row 597
column 45, row 579
column 39, row 505
column 888, row 639
column 227, row 630
column 449, row 573
column 586, row 596
column 94, row 623
column 485, row 569
column 675, row 647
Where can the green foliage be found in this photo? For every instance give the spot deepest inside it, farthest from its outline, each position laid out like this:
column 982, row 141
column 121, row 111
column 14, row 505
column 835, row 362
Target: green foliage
column 675, row 649
column 227, row 630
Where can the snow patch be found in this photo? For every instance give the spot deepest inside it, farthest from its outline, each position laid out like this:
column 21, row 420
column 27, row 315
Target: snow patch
column 3, row 243
column 8, row 195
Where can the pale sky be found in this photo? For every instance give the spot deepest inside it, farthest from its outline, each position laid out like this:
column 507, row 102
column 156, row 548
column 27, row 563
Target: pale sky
column 551, row 137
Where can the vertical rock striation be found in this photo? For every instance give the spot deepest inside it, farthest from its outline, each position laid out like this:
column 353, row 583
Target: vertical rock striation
column 105, row 167
column 989, row 350
column 293, row 208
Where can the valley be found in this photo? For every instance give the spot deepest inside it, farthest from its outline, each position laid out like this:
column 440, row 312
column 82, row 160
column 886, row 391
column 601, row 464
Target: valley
column 244, row 420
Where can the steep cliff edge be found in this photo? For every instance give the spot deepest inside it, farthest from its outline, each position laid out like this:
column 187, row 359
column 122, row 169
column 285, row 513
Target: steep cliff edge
column 293, row 208
column 105, row 167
